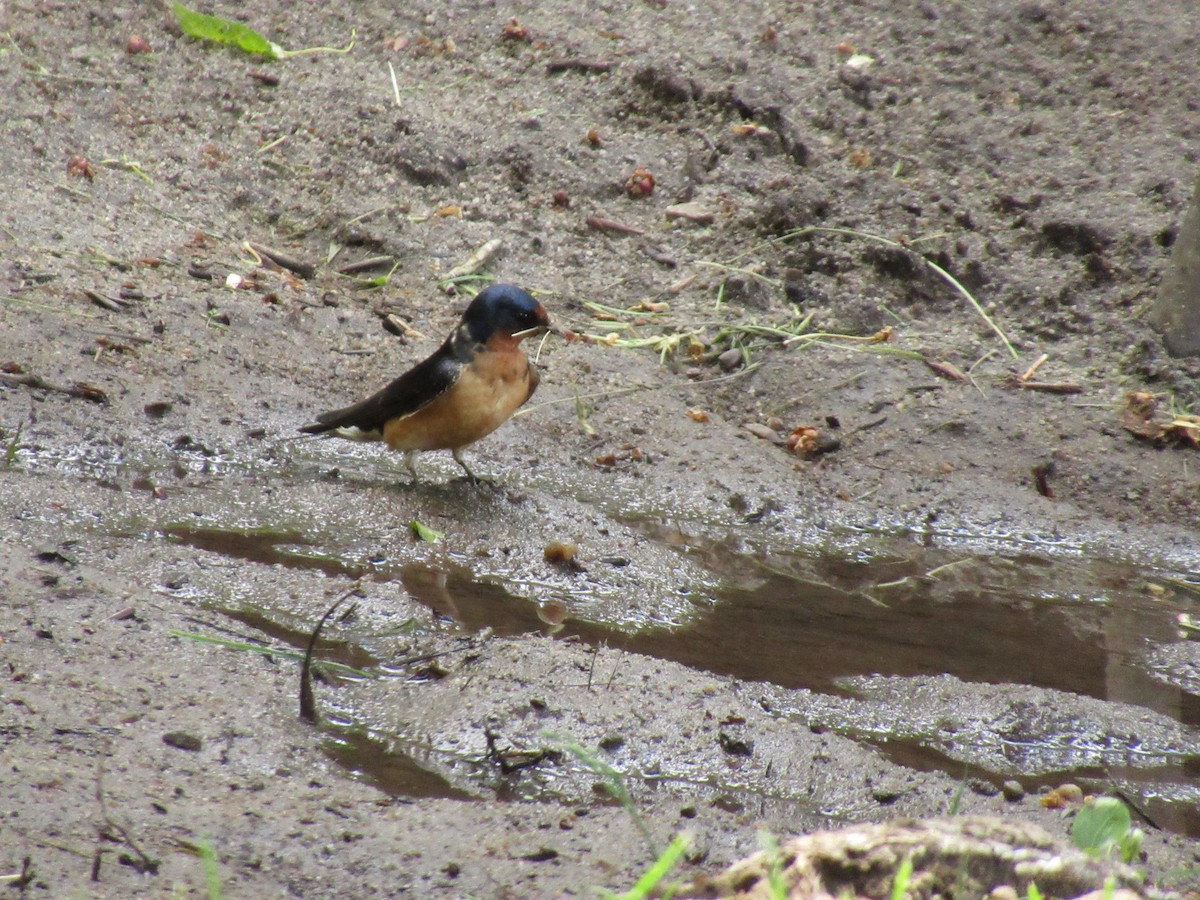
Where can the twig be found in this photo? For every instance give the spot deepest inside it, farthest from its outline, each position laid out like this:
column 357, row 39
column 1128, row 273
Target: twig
column 1052, row 387
column 472, row 264
column 1037, row 364
column 945, row 369
column 599, row 223
column 143, row 863
column 556, row 66
column 308, row 704
column 303, row 269
column 112, row 304
column 366, row 265
column 750, row 273
column 79, row 390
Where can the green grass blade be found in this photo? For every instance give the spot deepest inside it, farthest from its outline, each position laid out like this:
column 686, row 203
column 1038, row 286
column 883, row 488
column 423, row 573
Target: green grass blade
column 212, row 871
column 296, row 656
column 903, row 878
column 226, row 31
column 666, row 861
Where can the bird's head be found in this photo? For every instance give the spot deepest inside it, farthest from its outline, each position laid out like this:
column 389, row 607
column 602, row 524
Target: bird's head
column 505, row 311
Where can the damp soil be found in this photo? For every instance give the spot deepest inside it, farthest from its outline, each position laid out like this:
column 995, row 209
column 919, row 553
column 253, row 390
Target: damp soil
column 978, row 592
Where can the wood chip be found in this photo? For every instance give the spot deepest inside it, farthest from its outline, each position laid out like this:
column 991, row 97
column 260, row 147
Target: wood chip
column 598, row 223
column 692, row 212
column 945, row 369
column 472, row 264
column 303, row 269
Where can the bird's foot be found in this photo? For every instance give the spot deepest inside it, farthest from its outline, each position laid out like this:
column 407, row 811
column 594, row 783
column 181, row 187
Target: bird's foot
column 476, row 480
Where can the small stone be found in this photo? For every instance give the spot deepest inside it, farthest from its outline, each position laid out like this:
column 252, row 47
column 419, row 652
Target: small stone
column 747, row 291
column 1012, row 790
column 731, row 359
column 611, row 742
column 181, row 740
column 983, row 788
column 158, row 408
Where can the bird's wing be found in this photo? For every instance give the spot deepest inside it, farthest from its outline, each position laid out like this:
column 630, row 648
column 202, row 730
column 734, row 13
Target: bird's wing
column 410, row 392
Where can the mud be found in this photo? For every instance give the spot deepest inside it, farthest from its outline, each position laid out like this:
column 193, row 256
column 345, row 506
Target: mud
column 982, row 584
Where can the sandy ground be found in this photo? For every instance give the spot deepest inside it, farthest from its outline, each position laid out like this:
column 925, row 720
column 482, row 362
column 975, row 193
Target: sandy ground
column 979, row 582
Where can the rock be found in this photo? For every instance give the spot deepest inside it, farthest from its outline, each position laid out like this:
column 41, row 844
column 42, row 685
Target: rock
column 1013, row 791
column 730, row 359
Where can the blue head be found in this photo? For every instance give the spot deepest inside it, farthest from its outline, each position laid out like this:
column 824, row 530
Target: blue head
column 503, row 309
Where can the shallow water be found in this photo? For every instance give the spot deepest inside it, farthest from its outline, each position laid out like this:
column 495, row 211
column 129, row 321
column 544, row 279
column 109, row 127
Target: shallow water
column 897, row 604
column 1074, row 626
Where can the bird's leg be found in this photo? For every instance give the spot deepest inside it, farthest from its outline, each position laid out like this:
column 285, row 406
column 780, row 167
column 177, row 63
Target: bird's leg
column 457, row 453
column 410, row 460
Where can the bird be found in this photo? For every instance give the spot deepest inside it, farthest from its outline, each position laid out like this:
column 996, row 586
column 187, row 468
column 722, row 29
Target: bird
column 464, row 391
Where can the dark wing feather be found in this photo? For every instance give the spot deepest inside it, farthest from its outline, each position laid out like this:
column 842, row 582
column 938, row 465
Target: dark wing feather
column 410, row 392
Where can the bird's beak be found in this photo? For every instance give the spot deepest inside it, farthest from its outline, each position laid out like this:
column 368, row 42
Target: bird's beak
column 537, row 329
column 544, row 326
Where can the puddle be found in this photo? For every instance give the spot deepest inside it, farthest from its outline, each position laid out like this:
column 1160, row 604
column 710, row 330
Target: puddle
column 1079, row 627
column 345, row 652
column 984, row 620
column 1154, row 794
column 387, row 767
column 268, row 546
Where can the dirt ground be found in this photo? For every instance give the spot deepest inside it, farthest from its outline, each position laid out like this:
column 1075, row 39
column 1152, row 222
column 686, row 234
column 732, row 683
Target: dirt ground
column 978, row 585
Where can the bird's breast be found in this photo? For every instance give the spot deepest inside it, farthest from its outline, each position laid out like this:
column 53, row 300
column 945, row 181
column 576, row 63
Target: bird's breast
column 488, row 390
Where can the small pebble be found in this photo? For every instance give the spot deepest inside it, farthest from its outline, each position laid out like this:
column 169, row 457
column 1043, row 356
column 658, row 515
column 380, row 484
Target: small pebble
column 181, row 740
column 1013, row 791
column 730, row 359
column 983, row 788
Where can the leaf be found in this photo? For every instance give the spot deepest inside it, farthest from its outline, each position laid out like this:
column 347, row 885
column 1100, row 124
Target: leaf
column 1101, row 825
column 226, row 31
column 425, row 533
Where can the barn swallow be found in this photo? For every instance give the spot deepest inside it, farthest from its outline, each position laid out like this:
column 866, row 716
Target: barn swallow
column 466, row 390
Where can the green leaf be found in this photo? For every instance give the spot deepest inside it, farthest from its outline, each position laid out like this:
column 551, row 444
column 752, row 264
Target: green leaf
column 226, row 31
column 425, row 533
column 378, row 281
column 1101, row 825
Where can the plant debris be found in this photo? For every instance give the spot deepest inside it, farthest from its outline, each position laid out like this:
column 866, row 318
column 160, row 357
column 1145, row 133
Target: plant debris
column 424, row 533
column 227, row 31
column 812, row 441
column 1141, row 418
